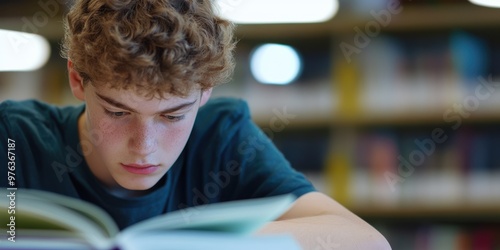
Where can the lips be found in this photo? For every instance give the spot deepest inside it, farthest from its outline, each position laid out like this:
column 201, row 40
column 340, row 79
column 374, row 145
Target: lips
column 143, row 169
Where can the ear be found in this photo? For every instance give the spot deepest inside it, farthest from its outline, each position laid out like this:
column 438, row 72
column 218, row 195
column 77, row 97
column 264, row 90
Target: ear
column 205, row 95
column 75, row 82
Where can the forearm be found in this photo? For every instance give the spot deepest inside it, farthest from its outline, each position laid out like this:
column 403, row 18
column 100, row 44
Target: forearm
column 329, row 232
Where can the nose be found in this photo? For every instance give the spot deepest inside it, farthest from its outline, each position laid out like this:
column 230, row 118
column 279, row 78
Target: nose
column 143, row 139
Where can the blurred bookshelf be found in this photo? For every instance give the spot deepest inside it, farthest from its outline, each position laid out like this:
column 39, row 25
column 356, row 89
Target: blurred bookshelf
column 408, row 138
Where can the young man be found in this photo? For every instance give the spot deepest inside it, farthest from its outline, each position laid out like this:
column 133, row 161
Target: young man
column 147, row 139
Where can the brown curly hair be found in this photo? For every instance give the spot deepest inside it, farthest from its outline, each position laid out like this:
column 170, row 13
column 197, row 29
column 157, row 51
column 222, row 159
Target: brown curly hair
column 152, row 46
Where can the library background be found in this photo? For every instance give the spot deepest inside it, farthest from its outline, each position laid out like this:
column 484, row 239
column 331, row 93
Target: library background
column 392, row 109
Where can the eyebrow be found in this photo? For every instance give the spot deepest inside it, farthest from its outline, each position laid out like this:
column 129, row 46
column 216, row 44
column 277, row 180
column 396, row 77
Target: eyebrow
column 123, row 106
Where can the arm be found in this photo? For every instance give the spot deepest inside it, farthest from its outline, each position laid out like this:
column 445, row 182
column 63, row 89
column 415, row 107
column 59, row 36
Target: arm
column 318, row 222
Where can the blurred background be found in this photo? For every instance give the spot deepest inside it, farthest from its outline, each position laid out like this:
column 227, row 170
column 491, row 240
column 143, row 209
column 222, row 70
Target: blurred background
column 391, row 107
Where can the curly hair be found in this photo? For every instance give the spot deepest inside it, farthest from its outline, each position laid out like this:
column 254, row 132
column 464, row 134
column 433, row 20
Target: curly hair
column 151, row 46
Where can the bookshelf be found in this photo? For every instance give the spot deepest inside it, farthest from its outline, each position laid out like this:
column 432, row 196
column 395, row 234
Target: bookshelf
column 422, row 138
column 432, row 76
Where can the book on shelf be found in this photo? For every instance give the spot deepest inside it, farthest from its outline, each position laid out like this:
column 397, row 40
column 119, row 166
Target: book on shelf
column 35, row 219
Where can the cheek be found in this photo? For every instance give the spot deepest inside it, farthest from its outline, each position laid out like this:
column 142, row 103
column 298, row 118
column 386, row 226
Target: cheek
column 175, row 137
column 107, row 133
column 169, row 138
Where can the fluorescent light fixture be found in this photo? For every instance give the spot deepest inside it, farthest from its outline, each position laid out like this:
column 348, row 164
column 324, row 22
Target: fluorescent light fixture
column 277, row 11
column 487, row 3
column 20, row 51
column 275, row 64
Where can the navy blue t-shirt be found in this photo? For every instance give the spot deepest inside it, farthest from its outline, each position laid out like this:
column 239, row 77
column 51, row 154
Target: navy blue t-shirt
column 227, row 157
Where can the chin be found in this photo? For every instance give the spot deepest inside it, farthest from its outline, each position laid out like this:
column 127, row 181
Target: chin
column 138, row 185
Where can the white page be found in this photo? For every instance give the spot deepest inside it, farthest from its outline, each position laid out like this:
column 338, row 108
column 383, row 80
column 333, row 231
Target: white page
column 196, row 240
column 241, row 216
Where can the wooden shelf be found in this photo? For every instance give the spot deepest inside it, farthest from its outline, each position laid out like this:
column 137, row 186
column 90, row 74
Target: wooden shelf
column 465, row 212
column 433, row 17
column 431, row 118
column 373, row 120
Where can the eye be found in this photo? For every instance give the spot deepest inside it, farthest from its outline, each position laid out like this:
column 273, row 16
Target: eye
column 115, row 114
column 174, row 118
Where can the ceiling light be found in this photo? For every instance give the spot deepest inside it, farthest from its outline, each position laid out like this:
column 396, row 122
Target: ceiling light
column 487, row 3
column 275, row 64
column 277, row 11
column 22, row 51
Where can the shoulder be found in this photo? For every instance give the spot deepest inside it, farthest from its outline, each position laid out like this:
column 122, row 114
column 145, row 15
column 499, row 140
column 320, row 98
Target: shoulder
column 222, row 115
column 224, row 108
column 220, row 122
column 31, row 115
column 42, row 133
column 18, row 113
column 14, row 108
column 28, row 109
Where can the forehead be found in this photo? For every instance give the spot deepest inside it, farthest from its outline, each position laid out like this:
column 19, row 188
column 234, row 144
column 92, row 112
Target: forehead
column 164, row 89
column 131, row 100
column 134, row 94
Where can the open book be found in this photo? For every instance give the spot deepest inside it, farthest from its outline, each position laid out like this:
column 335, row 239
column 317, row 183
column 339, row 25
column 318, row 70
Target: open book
column 34, row 219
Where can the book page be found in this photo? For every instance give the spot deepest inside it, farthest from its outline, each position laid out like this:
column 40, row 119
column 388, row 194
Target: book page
column 198, row 240
column 36, row 213
column 86, row 209
column 237, row 217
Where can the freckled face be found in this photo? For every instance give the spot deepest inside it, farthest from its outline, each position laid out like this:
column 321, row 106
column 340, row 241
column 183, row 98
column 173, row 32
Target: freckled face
column 135, row 139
